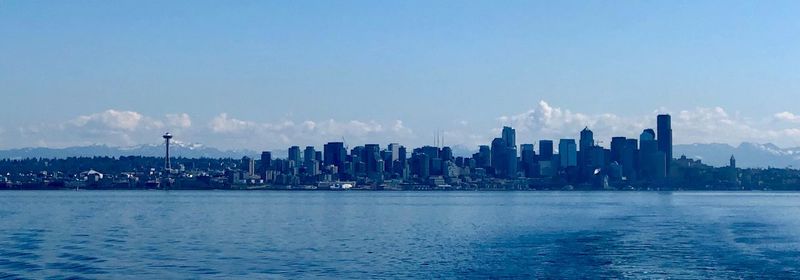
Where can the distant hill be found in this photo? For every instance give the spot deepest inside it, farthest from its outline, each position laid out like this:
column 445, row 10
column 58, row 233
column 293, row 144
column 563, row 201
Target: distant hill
column 747, row 154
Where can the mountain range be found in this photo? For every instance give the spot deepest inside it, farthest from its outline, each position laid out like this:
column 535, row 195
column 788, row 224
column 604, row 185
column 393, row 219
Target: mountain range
column 747, row 154
column 715, row 154
column 178, row 149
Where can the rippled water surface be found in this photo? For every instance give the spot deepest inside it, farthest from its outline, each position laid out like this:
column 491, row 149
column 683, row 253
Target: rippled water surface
column 291, row 235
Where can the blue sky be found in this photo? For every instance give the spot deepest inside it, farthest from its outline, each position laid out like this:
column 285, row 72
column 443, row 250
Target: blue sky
column 263, row 74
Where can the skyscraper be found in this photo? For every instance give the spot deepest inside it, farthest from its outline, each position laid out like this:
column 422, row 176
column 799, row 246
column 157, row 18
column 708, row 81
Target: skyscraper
column 421, row 165
column 510, row 167
column 394, row 148
column 401, row 155
column 266, row 162
column 249, row 165
column 498, row 155
column 308, row 154
column 294, row 154
column 509, row 136
column 647, row 135
column 617, row 147
column 630, row 158
column 527, row 152
column 568, row 152
column 371, row 157
column 586, row 141
column 334, row 154
column 665, row 138
column 529, row 164
column 447, row 153
column 545, row 150
column 484, row 159
column 651, row 160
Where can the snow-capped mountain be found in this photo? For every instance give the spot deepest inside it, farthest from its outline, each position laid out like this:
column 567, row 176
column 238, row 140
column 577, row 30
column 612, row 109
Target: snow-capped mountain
column 746, row 154
column 177, row 149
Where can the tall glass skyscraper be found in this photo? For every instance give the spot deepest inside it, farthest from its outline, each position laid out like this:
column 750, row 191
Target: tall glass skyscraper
column 664, row 137
column 509, row 136
column 568, row 152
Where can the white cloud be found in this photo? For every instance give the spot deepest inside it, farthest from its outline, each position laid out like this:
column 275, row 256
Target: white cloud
column 549, row 122
column 698, row 125
column 228, row 130
column 110, row 127
column 787, row 117
column 399, row 128
column 223, row 124
column 543, row 121
column 179, row 120
column 113, row 119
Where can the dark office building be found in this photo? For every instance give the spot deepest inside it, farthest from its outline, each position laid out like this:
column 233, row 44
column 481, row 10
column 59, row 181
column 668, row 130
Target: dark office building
column 587, row 138
column 652, row 161
column 334, row 154
column 530, row 166
column 499, row 161
column 371, row 157
column 586, row 141
column 568, row 153
column 357, row 154
column 294, row 154
column 421, row 165
column 545, row 150
column 401, row 155
column 510, row 166
column 665, row 138
column 447, row 153
column 596, row 158
column 266, row 162
column 617, row 147
column 509, row 136
column 630, row 159
column 484, row 159
column 308, row 154
column 528, row 153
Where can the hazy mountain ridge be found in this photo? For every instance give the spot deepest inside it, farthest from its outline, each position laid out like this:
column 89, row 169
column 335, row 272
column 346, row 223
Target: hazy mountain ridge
column 716, row 154
column 188, row 150
column 746, row 154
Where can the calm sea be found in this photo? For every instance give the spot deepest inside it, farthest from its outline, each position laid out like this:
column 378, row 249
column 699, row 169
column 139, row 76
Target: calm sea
column 367, row 235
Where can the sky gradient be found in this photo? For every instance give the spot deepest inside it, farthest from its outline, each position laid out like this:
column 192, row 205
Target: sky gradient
column 266, row 74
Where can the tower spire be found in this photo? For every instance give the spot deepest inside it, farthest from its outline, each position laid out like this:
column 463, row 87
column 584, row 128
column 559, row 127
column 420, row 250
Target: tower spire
column 167, row 166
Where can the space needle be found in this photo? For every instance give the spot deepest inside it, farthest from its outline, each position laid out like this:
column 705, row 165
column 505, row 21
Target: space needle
column 167, row 165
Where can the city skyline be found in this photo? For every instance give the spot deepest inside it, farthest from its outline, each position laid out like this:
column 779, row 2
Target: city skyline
column 260, row 75
column 629, row 163
column 412, row 139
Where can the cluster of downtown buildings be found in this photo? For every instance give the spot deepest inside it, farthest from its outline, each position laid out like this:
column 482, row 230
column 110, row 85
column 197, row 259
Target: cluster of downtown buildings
column 501, row 165
column 643, row 163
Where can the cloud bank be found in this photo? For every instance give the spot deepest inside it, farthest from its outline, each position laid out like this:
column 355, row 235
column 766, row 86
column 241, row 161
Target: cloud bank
column 116, row 127
column 698, row 125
